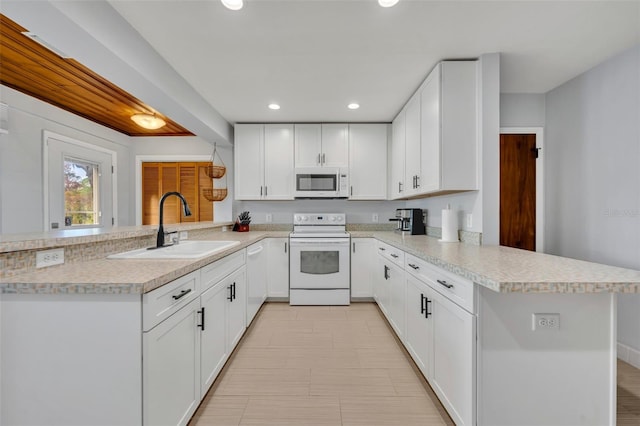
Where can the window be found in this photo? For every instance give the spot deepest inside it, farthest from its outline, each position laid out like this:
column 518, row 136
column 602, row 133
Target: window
column 81, row 189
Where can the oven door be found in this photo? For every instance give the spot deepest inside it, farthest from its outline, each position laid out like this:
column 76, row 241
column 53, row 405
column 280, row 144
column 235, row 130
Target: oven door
column 319, row 263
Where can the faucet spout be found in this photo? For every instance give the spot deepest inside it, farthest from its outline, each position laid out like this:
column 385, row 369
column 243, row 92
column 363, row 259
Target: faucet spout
column 187, row 212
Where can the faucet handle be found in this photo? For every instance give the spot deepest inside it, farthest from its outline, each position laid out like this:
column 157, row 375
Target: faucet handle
column 175, row 239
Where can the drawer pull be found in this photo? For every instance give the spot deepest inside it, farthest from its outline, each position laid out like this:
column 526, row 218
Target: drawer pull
column 201, row 312
column 230, row 298
column 381, row 248
column 444, row 283
column 427, row 313
column 233, row 291
column 414, row 266
column 386, row 272
column 182, row 294
column 423, row 308
column 394, row 255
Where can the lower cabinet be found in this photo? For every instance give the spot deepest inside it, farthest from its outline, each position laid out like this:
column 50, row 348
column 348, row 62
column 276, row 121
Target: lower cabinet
column 363, row 261
column 419, row 327
column 391, row 286
column 278, row 267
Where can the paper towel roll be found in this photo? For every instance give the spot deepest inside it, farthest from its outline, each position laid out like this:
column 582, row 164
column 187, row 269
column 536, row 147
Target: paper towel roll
column 449, row 225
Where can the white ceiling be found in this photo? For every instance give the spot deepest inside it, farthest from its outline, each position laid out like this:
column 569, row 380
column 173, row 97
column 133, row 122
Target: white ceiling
column 315, row 56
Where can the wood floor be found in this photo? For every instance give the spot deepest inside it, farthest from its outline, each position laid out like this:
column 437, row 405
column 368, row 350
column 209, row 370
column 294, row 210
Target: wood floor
column 317, row 365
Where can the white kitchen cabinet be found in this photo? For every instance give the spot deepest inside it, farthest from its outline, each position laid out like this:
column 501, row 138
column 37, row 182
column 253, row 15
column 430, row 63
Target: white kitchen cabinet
column 392, row 286
column 449, row 131
column 256, row 278
column 171, row 368
column 278, row 268
column 397, row 154
column 368, row 161
column 363, row 265
column 263, row 161
column 237, row 308
column 412, row 151
column 214, row 349
column 419, row 327
column 321, row 145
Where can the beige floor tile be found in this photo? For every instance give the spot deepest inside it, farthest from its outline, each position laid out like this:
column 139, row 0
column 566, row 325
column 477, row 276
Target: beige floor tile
column 259, row 357
column 265, row 382
column 276, row 306
column 256, row 339
column 322, row 358
column 382, row 357
column 297, row 410
column 220, row 411
column 348, row 339
column 383, row 411
column 276, row 325
column 301, row 340
column 406, row 382
column 278, row 314
column 346, row 381
column 330, row 326
column 325, row 313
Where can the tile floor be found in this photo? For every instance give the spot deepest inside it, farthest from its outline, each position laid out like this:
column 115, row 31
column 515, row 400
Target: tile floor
column 326, row 365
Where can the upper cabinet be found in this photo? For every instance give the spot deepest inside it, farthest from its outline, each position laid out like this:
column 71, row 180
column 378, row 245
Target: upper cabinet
column 322, row 145
column 263, row 162
column 368, row 161
column 440, row 135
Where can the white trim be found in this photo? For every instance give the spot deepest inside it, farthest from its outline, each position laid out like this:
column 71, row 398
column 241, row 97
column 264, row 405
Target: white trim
column 173, row 158
column 46, row 134
column 628, row 354
column 539, row 132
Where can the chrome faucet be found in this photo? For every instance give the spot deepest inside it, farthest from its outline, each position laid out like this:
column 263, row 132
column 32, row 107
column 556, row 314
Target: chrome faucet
column 187, row 212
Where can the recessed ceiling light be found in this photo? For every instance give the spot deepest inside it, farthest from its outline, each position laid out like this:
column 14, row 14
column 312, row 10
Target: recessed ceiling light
column 387, row 3
column 274, row 106
column 234, row 4
column 353, row 106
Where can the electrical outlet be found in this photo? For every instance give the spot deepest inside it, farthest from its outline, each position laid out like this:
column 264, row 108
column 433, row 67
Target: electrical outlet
column 184, row 235
column 269, row 218
column 52, row 257
column 546, row 322
column 374, row 217
column 469, row 220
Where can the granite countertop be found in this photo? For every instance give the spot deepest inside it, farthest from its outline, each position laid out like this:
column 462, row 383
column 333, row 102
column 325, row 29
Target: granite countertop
column 500, row 269
column 508, row 270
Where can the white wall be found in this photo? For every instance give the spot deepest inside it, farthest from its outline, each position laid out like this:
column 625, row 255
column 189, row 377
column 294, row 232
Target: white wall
column 21, row 162
column 522, row 110
column 593, row 174
column 183, row 148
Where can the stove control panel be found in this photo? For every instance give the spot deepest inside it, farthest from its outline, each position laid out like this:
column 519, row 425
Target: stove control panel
column 319, row 219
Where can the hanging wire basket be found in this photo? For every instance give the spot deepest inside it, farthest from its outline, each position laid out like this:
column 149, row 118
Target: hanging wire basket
column 216, row 171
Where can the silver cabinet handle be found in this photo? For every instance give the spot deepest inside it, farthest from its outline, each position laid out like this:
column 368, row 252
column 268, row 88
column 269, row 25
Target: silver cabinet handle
column 265, row 191
column 351, row 192
column 261, row 191
column 414, row 266
column 354, row 247
column 444, row 283
column 319, row 159
column 417, row 181
column 285, row 247
column 399, row 186
column 323, row 159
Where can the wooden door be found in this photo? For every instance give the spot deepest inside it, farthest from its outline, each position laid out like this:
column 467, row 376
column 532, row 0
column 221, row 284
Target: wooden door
column 158, row 178
column 518, row 191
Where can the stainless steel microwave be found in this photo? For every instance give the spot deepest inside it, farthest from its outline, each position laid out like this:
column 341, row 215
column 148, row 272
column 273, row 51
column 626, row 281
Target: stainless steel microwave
column 321, row 182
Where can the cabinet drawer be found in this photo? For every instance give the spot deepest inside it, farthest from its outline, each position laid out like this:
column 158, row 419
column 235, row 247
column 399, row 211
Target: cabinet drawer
column 456, row 288
column 216, row 271
column 391, row 253
column 162, row 302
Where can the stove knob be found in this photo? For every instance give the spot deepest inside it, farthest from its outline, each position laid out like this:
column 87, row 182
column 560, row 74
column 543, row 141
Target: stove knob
column 333, row 218
column 305, row 218
column 297, row 218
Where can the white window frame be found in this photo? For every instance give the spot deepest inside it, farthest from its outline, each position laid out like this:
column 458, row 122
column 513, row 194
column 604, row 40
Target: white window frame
column 539, row 132
column 46, row 135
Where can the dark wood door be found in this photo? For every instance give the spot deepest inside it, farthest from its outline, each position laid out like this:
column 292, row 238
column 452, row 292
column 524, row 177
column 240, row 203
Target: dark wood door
column 518, row 191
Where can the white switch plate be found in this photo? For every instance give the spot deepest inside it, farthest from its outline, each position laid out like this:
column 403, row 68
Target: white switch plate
column 546, row 322
column 374, row 217
column 469, row 220
column 51, row 257
column 269, row 218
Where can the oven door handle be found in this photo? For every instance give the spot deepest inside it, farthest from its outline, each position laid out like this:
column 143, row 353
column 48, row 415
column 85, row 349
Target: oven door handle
column 306, row 241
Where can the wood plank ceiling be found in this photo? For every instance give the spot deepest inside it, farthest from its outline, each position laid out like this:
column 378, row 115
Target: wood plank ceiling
column 27, row 66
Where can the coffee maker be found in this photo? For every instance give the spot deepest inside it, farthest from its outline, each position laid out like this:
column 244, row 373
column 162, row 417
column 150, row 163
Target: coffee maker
column 410, row 221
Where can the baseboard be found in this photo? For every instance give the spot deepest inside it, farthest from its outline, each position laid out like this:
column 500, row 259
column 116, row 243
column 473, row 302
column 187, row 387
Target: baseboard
column 629, row 355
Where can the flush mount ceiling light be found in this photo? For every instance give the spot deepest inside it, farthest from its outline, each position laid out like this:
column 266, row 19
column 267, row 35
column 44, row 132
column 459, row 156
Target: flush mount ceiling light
column 274, row 106
column 148, row 121
column 387, row 3
column 353, row 105
column 233, row 4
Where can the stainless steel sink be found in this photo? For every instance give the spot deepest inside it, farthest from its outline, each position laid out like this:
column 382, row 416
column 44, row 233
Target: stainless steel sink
column 184, row 250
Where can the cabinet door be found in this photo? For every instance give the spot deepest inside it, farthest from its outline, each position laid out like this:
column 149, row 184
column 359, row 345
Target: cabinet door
column 171, row 368
column 278, row 267
column 412, row 164
column 362, row 266
column 249, row 161
column 396, row 291
column 236, row 307
column 419, row 327
column 278, row 162
column 368, row 161
column 213, row 350
column 256, row 278
column 308, row 148
column 397, row 184
column 430, row 132
column 158, row 178
column 453, row 378
column 335, row 145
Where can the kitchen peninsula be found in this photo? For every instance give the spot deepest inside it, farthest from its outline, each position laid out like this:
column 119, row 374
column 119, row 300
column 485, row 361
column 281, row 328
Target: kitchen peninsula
column 71, row 334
